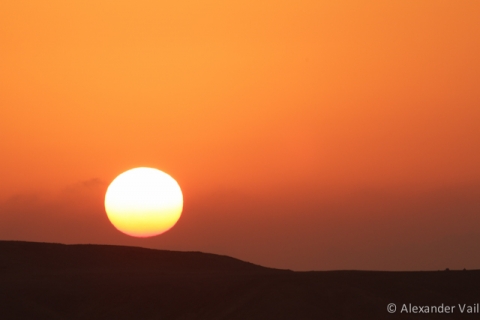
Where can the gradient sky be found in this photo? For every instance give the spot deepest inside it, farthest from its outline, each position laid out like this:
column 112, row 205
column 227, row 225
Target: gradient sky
column 304, row 134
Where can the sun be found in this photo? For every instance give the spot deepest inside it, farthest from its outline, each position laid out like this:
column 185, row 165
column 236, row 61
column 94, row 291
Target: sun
column 143, row 202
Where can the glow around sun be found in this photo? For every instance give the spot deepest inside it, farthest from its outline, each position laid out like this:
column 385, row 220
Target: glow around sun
column 143, row 202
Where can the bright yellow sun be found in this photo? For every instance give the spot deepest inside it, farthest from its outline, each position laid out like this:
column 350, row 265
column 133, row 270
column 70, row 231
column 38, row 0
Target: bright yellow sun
column 143, row 202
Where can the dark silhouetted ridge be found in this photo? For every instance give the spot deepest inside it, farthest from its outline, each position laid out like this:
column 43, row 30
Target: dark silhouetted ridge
column 55, row 281
column 19, row 255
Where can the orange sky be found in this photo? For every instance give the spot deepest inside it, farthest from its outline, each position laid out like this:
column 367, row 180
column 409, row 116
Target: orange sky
column 304, row 134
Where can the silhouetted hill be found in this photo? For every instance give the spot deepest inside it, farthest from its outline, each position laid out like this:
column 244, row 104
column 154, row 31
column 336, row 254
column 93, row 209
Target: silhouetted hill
column 53, row 256
column 54, row 281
